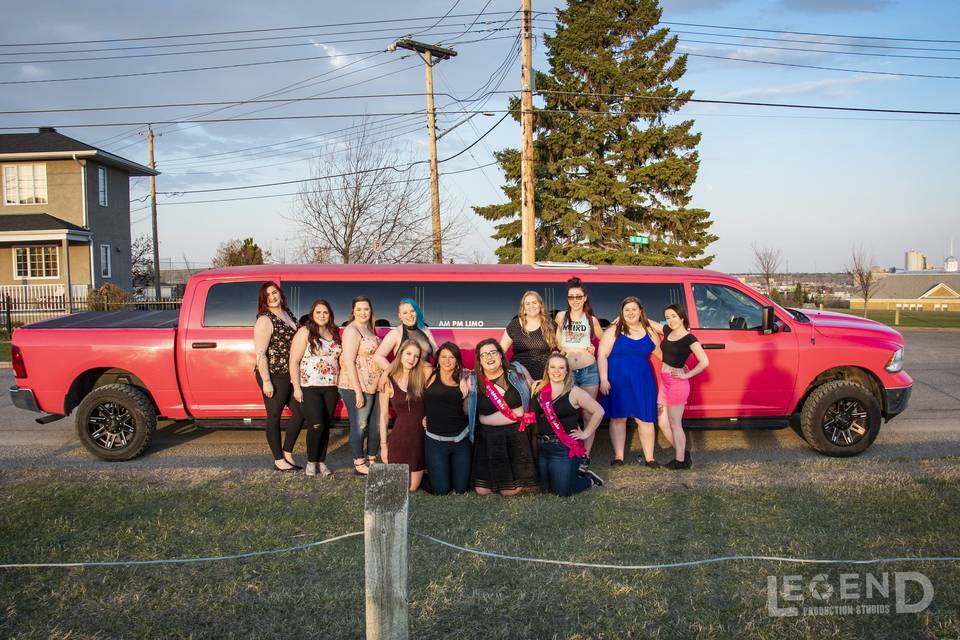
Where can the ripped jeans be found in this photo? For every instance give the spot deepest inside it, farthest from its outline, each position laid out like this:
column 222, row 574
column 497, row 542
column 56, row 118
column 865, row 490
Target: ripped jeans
column 363, row 422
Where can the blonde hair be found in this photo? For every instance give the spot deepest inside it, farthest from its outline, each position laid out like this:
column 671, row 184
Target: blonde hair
column 567, row 379
column 547, row 327
column 416, row 378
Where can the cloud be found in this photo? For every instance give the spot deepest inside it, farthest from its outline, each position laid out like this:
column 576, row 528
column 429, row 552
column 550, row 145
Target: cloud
column 32, row 71
column 338, row 59
column 833, row 87
column 834, row 6
column 679, row 7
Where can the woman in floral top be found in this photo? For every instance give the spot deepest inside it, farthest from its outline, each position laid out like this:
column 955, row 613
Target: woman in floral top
column 272, row 334
column 359, row 375
column 314, row 372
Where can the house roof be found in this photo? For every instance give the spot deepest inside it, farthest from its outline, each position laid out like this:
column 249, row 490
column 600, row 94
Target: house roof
column 35, row 222
column 46, row 143
column 910, row 286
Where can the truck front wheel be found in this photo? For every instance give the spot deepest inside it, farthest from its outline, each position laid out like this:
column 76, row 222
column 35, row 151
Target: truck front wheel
column 840, row 418
column 116, row 422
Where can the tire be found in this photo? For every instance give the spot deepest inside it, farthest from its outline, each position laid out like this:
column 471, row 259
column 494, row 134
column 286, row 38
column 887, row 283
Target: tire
column 840, row 418
column 116, row 422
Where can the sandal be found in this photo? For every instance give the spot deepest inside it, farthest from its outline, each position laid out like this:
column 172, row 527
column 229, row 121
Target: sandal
column 360, row 468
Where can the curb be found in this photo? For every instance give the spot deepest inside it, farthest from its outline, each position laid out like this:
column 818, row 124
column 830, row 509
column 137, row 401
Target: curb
column 5, row 365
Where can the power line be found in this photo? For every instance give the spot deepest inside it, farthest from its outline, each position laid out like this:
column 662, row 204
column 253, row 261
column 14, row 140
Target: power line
column 809, row 50
column 820, row 67
column 239, row 31
column 798, row 41
column 805, row 33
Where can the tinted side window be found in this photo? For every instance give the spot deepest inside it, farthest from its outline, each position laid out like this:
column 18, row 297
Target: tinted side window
column 231, row 304
column 605, row 297
column 722, row 307
column 385, row 297
column 476, row 304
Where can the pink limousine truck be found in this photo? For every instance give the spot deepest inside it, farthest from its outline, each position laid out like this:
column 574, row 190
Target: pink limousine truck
column 836, row 377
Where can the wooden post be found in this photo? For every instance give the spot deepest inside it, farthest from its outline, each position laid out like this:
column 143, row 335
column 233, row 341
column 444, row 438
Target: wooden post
column 434, row 171
column 527, row 213
column 896, row 317
column 385, row 551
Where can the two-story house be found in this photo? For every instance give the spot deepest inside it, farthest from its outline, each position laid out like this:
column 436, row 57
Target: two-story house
column 65, row 214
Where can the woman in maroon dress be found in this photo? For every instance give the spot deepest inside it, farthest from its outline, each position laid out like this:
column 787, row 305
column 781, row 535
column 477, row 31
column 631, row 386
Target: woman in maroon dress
column 403, row 392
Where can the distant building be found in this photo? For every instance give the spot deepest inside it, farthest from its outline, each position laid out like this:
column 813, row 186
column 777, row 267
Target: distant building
column 915, row 292
column 915, row 260
column 950, row 264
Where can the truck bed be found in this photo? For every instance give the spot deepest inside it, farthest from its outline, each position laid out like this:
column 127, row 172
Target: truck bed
column 162, row 319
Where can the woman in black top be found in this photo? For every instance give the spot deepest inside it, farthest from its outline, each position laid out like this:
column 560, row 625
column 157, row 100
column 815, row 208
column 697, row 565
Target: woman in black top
column 446, row 447
column 560, row 435
column 532, row 335
column 272, row 334
column 677, row 346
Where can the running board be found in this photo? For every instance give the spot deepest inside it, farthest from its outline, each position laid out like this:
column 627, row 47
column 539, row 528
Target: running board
column 777, row 422
column 52, row 417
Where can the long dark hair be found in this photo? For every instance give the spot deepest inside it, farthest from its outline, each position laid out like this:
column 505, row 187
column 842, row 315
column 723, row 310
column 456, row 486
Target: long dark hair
column 371, row 325
column 455, row 352
column 478, row 367
column 313, row 329
column 643, row 315
column 262, row 307
column 677, row 309
column 576, row 283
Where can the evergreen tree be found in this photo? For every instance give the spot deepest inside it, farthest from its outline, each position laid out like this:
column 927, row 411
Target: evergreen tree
column 608, row 166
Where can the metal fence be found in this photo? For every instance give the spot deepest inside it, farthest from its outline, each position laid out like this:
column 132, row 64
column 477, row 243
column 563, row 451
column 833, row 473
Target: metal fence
column 16, row 311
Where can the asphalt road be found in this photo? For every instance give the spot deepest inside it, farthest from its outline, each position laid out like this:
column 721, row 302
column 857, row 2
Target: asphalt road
column 930, row 428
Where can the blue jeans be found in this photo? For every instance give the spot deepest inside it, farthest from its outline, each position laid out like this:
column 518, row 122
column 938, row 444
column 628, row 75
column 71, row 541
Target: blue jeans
column 558, row 473
column 360, row 420
column 588, row 376
column 448, row 465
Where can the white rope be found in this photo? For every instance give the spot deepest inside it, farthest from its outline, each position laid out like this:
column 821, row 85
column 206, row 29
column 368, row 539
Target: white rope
column 674, row 565
column 127, row 563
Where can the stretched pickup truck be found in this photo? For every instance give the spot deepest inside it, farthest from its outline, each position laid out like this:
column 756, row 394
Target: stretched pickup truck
column 835, row 375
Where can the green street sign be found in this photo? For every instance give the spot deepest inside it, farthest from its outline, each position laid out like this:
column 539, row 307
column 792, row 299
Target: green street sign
column 639, row 240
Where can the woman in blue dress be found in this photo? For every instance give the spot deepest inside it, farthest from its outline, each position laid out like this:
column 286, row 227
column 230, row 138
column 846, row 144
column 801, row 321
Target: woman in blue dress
column 627, row 382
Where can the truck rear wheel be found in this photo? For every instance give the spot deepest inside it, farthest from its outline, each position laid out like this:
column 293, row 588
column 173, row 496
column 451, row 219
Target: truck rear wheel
column 840, row 418
column 116, row 422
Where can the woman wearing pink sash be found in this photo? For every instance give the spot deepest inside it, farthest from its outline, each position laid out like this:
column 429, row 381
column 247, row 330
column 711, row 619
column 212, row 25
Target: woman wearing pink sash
column 498, row 399
column 560, row 435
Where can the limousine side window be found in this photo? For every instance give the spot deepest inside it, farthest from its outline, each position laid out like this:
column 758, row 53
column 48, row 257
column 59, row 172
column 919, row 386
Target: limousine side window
column 475, row 304
column 385, row 297
column 605, row 298
column 723, row 307
column 231, row 304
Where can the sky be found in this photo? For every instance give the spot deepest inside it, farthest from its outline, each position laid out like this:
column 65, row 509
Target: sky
column 813, row 184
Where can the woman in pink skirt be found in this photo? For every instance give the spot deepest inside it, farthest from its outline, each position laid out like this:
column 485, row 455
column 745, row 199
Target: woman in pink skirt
column 678, row 345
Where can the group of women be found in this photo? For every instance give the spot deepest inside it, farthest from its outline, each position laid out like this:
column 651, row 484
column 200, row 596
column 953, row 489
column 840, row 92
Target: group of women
column 505, row 426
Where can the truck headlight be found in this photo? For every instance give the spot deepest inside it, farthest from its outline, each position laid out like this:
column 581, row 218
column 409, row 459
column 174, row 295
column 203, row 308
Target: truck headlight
column 895, row 363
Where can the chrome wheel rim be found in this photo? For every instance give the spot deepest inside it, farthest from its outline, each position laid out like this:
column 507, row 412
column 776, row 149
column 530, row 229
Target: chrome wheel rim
column 845, row 422
column 111, row 425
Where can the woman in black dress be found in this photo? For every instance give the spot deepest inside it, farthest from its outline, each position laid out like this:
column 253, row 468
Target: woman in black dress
column 532, row 335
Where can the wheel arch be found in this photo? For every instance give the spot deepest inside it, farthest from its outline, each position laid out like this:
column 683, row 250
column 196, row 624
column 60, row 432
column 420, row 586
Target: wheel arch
column 97, row 377
column 853, row 373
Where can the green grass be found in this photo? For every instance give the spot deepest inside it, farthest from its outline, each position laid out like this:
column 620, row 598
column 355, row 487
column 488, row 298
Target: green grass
column 933, row 319
column 904, row 509
column 4, row 351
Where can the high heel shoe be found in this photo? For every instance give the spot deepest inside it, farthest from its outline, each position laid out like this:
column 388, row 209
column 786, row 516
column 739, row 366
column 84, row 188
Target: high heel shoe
column 292, row 463
column 281, row 469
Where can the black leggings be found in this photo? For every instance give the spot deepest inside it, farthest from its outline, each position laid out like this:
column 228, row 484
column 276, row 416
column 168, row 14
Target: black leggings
column 282, row 396
column 319, row 403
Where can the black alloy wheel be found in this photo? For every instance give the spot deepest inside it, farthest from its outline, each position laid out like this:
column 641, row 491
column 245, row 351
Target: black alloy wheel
column 845, row 422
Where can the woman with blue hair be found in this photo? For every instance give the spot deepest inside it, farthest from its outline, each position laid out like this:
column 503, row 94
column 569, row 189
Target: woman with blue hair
column 412, row 327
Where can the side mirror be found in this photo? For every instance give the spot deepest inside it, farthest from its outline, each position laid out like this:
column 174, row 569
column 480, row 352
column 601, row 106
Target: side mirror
column 768, row 323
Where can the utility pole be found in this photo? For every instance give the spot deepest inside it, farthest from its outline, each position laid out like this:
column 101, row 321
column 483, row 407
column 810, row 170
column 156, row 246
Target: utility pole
column 527, row 215
column 153, row 217
column 428, row 52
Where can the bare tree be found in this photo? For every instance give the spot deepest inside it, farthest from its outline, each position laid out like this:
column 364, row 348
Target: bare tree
column 141, row 263
column 369, row 204
column 861, row 271
column 767, row 262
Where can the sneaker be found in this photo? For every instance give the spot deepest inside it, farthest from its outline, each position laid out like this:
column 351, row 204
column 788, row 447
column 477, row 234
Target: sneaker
column 311, row 468
column 584, row 463
column 594, row 478
column 323, row 469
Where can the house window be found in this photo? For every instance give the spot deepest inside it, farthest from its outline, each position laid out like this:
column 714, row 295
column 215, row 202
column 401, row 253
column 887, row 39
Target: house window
column 102, row 186
column 36, row 262
column 25, row 184
column 105, row 271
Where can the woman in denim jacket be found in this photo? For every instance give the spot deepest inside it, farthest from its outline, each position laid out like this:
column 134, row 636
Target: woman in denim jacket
column 497, row 417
